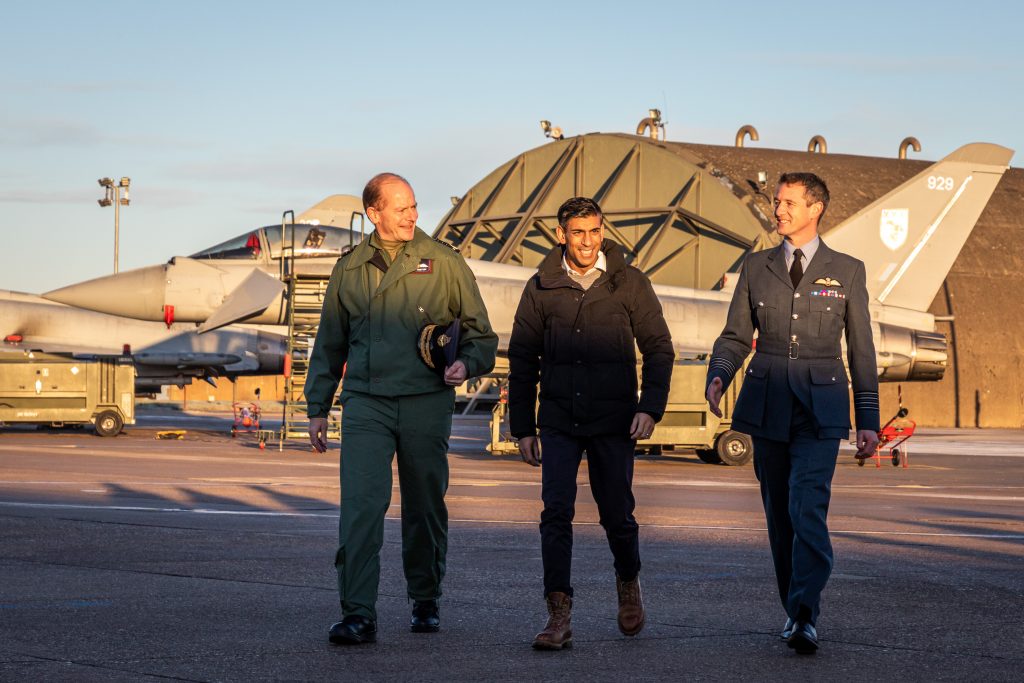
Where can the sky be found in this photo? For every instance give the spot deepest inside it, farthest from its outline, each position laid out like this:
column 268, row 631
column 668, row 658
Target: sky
column 225, row 114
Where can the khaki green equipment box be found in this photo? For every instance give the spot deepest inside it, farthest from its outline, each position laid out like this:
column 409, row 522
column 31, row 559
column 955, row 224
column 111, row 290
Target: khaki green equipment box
column 58, row 390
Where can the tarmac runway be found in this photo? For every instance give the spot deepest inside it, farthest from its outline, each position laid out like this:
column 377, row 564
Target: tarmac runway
column 205, row 559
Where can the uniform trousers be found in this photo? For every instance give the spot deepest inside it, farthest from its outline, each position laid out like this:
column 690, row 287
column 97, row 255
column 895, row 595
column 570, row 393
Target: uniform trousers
column 373, row 430
column 796, row 486
column 610, row 465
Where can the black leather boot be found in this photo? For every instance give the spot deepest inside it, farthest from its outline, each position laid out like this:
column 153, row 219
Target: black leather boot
column 426, row 617
column 353, row 630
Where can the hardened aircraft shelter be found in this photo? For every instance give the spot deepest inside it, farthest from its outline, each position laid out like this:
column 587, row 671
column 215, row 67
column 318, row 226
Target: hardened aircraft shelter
column 687, row 213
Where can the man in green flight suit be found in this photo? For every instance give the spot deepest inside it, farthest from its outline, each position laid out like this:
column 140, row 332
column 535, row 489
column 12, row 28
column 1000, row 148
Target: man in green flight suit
column 381, row 296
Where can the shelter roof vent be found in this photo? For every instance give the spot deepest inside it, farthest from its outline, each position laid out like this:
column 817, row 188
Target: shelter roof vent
column 652, row 125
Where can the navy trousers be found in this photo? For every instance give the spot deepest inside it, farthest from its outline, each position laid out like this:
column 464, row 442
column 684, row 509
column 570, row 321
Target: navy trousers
column 610, row 464
column 796, row 486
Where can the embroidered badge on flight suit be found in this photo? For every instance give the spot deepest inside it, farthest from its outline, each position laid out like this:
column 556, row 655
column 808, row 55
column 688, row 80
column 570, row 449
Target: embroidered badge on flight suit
column 425, row 267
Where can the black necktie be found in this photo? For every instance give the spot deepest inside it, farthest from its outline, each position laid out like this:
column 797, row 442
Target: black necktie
column 796, row 271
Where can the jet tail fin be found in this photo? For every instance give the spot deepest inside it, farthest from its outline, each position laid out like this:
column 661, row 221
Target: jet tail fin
column 252, row 295
column 909, row 239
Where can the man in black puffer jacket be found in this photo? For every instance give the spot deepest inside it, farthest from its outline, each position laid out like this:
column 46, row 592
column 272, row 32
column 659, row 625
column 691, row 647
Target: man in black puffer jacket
column 574, row 331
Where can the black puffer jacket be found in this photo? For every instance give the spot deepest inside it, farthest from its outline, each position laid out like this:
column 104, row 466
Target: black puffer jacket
column 579, row 344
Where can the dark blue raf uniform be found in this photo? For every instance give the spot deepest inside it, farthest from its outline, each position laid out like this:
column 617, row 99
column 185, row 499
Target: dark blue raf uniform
column 795, row 402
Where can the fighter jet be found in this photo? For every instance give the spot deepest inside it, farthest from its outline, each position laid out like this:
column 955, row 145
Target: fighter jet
column 908, row 240
column 163, row 355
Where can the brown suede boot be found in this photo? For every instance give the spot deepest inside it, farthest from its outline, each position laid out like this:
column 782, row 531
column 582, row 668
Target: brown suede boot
column 558, row 632
column 631, row 606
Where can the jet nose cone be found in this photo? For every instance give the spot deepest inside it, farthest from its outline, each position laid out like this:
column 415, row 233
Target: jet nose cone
column 135, row 293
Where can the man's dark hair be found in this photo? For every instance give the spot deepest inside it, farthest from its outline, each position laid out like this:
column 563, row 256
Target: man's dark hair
column 372, row 194
column 815, row 188
column 578, row 207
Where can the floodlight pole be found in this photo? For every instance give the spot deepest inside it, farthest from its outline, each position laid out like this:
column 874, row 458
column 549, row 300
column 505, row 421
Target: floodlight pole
column 113, row 196
column 117, row 225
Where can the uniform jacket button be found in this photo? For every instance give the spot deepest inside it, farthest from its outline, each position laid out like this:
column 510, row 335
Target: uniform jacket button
column 796, row 295
column 795, row 316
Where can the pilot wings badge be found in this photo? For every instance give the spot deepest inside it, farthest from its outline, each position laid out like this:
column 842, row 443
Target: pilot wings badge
column 828, row 282
column 893, row 227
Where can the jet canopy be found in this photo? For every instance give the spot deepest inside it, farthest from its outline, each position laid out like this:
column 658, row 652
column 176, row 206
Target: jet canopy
column 301, row 240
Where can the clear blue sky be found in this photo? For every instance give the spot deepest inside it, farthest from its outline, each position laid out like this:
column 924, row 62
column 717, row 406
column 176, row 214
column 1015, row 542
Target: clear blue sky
column 225, row 114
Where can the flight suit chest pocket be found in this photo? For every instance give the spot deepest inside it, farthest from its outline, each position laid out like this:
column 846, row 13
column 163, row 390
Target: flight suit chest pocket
column 767, row 315
column 827, row 315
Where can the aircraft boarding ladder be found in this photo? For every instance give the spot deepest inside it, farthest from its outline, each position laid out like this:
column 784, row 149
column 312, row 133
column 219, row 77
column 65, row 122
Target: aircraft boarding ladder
column 305, row 300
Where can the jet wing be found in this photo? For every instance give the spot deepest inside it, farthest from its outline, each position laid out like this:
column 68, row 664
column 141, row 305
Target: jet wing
column 253, row 295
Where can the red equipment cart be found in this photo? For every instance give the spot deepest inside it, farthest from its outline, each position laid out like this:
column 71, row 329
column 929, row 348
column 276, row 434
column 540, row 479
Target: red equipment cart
column 893, row 436
column 247, row 417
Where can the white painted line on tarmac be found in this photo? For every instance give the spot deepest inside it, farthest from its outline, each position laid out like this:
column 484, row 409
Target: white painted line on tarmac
column 334, row 515
column 954, row 496
column 138, row 508
column 979, row 449
column 192, row 483
column 223, row 417
column 711, row 527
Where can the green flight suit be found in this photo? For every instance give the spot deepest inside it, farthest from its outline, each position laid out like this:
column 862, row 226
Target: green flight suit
column 393, row 403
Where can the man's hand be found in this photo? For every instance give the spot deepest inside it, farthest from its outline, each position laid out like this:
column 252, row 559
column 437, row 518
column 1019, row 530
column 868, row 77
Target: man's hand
column 318, row 433
column 642, row 427
column 529, row 448
column 867, row 443
column 714, row 396
column 455, row 374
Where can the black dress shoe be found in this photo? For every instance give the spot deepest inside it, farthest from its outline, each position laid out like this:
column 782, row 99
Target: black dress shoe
column 787, row 630
column 353, row 630
column 426, row 617
column 804, row 639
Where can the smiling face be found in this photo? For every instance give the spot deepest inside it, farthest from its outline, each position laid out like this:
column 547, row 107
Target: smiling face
column 796, row 220
column 582, row 238
column 396, row 214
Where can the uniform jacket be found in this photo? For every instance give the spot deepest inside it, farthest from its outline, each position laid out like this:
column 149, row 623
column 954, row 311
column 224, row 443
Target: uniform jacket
column 580, row 345
column 374, row 329
column 798, row 348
